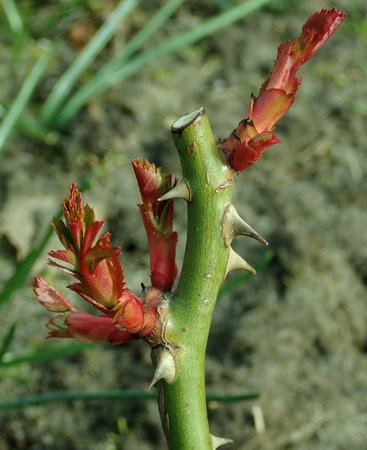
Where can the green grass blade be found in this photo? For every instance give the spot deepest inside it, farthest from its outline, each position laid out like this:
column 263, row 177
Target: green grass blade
column 224, row 398
column 35, row 130
column 7, row 340
column 63, row 10
column 45, row 354
column 97, row 83
column 141, row 37
column 23, row 269
column 173, row 44
column 230, row 285
column 23, row 97
column 84, row 59
column 32, row 128
column 126, row 394
column 13, row 16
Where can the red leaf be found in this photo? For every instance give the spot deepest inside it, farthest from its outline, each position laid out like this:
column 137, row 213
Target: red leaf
column 162, row 263
column 158, row 219
column 132, row 316
column 95, row 262
column 49, row 297
column 67, row 256
column 244, row 154
column 152, row 182
column 269, row 107
column 90, row 235
column 91, row 329
column 317, row 30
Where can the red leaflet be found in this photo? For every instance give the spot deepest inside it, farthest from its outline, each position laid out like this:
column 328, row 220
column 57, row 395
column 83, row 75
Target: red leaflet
column 95, row 264
column 133, row 316
column 254, row 134
column 88, row 328
column 74, row 323
column 158, row 218
column 51, row 298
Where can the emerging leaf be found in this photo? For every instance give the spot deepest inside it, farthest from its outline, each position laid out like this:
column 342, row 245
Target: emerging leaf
column 96, row 266
column 254, row 134
column 95, row 262
column 133, row 316
column 158, row 220
column 87, row 328
column 50, row 297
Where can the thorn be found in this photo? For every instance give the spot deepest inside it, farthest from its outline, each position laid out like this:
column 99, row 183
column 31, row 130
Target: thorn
column 218, row 441
column 181, row 190
column 233, row 225
column 165, row 366
column 236, row 262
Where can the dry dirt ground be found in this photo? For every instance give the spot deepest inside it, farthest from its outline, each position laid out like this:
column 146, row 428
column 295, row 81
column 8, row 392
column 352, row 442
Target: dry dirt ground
column 297, row 331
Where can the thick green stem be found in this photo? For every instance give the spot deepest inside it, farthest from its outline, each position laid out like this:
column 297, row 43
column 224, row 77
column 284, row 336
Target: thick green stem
column 211, row 185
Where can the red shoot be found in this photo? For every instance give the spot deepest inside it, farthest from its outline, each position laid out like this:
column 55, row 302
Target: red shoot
column 96, row 266
column 157, row 217
column 254, row 134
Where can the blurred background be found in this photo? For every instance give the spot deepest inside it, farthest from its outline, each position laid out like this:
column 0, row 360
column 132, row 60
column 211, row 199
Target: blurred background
column 87, row 85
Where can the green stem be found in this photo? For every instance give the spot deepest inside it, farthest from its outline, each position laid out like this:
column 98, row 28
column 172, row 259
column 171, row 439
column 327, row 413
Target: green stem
column 190, row 313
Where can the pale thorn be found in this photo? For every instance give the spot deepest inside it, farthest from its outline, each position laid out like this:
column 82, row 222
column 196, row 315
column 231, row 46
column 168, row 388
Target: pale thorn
column 233, row 225
column 165, row 366
column 218, row 441
column 181, row 190
column 235, row 261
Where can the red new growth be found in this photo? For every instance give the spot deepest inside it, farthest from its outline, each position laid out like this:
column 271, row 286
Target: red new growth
column 96, row 266
column 157, row 217
column 96, row 263
column 254, row 134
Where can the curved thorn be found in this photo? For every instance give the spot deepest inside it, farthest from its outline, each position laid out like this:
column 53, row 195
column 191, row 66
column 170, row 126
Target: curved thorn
column 218, row 441
column 181, row 190
column 233, row 225
column 165, row 366
column 235, row 261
